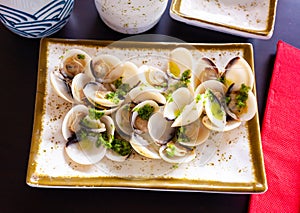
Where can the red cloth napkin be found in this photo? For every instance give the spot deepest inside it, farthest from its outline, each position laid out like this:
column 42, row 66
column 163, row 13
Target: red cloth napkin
column 281, row 136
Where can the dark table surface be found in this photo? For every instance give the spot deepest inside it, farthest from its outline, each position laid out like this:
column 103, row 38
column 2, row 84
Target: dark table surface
column 19, row 60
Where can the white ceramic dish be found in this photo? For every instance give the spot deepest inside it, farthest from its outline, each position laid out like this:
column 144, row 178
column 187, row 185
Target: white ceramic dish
column 254, row 19
column 228, row 162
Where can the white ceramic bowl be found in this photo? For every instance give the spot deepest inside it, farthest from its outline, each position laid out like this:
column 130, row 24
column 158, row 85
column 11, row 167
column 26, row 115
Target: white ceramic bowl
column 35, row 19
column 131, row 16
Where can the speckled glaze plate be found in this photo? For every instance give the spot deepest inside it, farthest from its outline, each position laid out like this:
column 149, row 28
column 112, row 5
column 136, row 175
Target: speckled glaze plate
column 227, row 162
column 254, row 19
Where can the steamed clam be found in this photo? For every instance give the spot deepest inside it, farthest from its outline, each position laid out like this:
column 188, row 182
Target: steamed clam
column 130, row 74
column 228, row 96
column 152, row 94
column 241, row 104
column 190, row 113
column 150, row 129
column 141, row 114
column 212, row 94
column 175, row 153
column 181, row 60
column 143, row 118
column 153, row 77
column 122, row 118
column 90, row 136
column 133, row 122
column 205, row 70
column 237, row 71
column 215, row 111
column 78, row 83
column 160, row 129
column 73, row 62
column 142, row 93
column 100, row 97
column 177, row 101
column 106, row 68
column 193, row 134
column 110, row 90
column 82, row 135
column 240, row 101
column 144, row 146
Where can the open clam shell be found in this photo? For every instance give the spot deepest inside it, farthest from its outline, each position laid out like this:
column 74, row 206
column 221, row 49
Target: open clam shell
column 61, row 86
column 213, row 85
column 77, row 112
column 189, row 114
column 215, row 111
column 248, row 111
column 106, row 68
column 78, row 83
column 205, row 70
column 192, row 134
column 160, row 129
column 122, row 118
column 143, row 145
column 109, row 125
column 112, row 155
column 177, row 102
column 75, row 61
column 230, row 125
column 130, row 74
column 251, row 108
column 239, row 72
column 154, row 77
column 152, row 94
column 142, row 93
column 134, row 92
column 180, row 60
column 98, row 95
column 175, row 153
column 139, row 124
column 86, row 151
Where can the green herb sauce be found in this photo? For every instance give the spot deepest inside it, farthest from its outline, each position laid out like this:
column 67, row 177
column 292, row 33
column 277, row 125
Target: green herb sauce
column 121, row 146
column 81, row 56
column 181, row 134
column 113, row 97
column 170, row 149
column 242, row 96
column 145, row 112
column 95, row 114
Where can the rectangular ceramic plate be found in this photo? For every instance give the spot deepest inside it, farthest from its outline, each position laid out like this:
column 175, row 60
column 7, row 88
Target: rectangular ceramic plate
column 254, row 19
column 226, row 162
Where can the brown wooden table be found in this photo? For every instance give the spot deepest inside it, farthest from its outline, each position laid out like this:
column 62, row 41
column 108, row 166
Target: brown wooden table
column 18, row 69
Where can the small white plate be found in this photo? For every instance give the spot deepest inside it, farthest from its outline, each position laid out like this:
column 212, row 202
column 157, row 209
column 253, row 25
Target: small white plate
column 254, row 19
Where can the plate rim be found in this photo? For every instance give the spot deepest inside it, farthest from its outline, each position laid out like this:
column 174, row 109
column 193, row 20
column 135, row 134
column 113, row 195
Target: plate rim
column 165, row 184
column 227, row 28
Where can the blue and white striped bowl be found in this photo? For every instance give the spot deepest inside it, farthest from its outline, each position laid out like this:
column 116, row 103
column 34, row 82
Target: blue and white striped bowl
column 35, row 19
